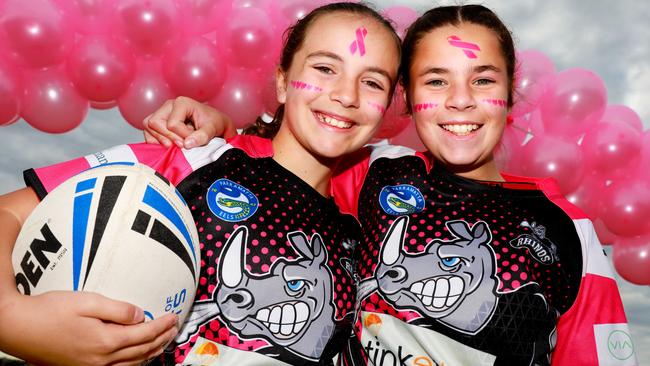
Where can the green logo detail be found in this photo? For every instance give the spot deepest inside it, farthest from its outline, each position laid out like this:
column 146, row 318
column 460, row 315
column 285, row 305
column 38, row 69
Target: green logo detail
column 620, row 345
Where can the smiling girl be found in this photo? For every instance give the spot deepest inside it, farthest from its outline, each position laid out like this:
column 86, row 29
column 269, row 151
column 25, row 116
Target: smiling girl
column 276, row 281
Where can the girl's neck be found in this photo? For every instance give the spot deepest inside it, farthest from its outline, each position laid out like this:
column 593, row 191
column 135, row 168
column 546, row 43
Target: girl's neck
column 313, row 170
column 486, row 172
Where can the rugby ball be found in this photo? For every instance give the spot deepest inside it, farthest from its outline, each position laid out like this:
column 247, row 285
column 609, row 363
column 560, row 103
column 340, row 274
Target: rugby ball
column 120, row 230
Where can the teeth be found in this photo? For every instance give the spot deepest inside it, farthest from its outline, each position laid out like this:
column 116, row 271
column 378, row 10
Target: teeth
column 284, row 320
column 438, row 293
column 334, row 122
column 461, row 129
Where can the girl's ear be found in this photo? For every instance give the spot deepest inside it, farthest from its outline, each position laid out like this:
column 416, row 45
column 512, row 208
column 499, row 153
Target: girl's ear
column 281, row 85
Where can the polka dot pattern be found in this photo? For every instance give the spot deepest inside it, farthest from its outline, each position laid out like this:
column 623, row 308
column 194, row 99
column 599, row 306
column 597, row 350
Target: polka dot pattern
column 286, row 204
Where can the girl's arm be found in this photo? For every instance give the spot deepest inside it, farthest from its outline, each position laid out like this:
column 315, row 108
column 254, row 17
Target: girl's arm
column 186, row 123
column 63, row 327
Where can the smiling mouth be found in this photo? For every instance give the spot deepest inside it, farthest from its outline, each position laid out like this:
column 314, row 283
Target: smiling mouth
column 332, row 121
column 438, row 293
column 284, row 320
column 460, row 129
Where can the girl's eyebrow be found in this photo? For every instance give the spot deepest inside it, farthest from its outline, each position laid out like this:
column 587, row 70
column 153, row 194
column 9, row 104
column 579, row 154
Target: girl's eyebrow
column 483, row 68
column 476, row 69
column 327, row 54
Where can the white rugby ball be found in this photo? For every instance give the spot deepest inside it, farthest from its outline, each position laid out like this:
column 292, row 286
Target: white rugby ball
column 120, row 230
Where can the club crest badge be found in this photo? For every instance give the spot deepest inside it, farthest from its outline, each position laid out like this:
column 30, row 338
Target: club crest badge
column 231, row 201
column 403, row 199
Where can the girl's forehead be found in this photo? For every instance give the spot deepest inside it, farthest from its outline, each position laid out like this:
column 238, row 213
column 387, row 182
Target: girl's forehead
column 464, row 43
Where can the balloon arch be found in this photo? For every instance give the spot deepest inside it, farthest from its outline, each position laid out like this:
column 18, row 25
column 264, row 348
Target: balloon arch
column 60, row 57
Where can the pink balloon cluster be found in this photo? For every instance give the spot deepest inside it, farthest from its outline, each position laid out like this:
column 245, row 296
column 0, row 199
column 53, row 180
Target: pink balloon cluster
column 563, row 127
column 60, row 57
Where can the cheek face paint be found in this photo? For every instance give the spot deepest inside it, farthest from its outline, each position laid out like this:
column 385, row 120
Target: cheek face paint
column 467, row 47
column 305, row 86
column 378, row 107
column 497, row 102
column 424, row 106
column 358, row 43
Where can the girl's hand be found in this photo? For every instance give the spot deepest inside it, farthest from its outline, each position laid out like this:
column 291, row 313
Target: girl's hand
column 81, row 328
column 186, row 123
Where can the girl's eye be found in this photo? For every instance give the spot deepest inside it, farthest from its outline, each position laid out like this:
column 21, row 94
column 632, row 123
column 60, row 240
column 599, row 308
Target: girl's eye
column 374, row 85
column 324, row 69
column 483, row 82
column 436, row 82
column 295, row 285
column 450, row 261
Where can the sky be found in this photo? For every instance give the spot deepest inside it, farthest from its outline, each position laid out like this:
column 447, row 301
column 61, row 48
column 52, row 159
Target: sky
column 610, row 38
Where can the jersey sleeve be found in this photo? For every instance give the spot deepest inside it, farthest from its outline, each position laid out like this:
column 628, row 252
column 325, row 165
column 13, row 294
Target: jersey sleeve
column 348, row 179
column 172, row 163
column 594, row 330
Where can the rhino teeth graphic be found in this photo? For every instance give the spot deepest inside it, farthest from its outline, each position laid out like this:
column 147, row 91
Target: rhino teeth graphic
column 284, row 320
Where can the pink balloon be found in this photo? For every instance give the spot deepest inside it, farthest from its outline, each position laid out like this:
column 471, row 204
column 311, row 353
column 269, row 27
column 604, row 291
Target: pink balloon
column 249, row 40
column 395, row 119
column 402, row 17
column 287, row 12
column 36, row 31
column 89, row 16
column 588, row 195
column 409, row 138
column 103, row 105
column 644, row 155
column 622, row 114
column 611, row 149
column 11, row 89
column 269, row 95
column 194, row 68
column 626, row 207
column 574, row 99
column 50, row 102
column 204, row 16
column 549, row 156
column 101, row 68
column 149, row 26
column 533, row 74
column 605, row 236
column 240, row 97
column 147, row 92
column 631, row 257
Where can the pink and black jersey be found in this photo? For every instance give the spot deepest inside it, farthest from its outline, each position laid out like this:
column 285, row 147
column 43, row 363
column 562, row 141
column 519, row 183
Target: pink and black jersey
column 276, row 281
column 458, row 272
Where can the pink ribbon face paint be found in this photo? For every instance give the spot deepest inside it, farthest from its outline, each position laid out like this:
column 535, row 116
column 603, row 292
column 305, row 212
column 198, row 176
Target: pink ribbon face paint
column 424, row 106
column 358, row 43
column 496, row 102
column 380, row 108
column 467, row 47
column 305, row 86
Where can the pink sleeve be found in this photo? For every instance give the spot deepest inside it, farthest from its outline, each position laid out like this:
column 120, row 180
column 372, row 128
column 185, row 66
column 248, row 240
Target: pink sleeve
column 170, row 163
column 348, row 180
column 594, row 330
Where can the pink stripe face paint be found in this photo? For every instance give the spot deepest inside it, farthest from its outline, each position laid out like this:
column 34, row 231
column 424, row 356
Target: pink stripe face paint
column 496, row 102
column 465, row 46
column 305, row 86
column 378, row 107
column 358, row 43
column 424, row 106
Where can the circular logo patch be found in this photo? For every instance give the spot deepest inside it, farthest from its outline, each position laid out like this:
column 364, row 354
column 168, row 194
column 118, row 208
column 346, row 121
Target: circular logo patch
column 403, row 199
column 231, row 201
